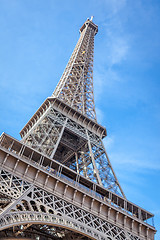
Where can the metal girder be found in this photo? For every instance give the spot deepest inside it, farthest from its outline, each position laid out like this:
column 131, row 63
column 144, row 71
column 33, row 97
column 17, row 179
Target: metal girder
column 37, row 206
column 62, row 138
column 64, row 131
column 18, row 156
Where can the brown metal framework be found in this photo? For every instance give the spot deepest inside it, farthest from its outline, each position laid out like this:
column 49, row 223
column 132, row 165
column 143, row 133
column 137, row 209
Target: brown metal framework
column 65, row 127
column 75, row 87
column 42, row 193
column 57, row 182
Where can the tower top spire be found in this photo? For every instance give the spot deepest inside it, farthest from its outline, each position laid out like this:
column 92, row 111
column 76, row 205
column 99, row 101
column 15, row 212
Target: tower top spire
column 92, row 18
column 89, row 23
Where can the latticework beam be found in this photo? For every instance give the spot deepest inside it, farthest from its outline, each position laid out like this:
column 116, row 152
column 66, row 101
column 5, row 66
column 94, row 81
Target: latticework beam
column 76, row 84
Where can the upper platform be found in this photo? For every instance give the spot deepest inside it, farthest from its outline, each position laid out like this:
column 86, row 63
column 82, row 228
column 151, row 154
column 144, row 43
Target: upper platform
column 68, row 111
column 91, row 25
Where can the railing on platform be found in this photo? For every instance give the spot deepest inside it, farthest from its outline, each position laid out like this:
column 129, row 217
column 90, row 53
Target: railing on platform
column 70, row 176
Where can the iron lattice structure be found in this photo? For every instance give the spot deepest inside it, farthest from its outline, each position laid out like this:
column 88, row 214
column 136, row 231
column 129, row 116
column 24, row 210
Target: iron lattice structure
column 60, row 136
column 75, row 87
column 58, row 182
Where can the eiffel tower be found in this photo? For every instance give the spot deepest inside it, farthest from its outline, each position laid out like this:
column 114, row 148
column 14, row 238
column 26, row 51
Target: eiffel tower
column 58, row 182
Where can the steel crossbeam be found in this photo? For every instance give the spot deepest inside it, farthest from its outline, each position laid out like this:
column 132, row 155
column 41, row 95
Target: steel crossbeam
column 50, row 191
column 49, row 133
column 14, row 151
column 36, row 205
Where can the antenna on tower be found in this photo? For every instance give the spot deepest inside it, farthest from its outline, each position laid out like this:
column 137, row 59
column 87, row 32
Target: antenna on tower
column 91, row 18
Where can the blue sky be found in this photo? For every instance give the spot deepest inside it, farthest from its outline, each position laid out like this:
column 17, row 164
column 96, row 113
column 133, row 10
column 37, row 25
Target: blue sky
column 37, row 39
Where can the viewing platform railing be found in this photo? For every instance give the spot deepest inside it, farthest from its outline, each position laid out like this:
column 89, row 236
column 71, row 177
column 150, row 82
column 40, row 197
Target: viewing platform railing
column 60, row 171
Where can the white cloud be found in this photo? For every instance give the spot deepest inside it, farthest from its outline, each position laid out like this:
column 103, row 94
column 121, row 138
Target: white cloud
column 119, row 49
column 100, row 115
column 134, row 163
column 105, row 78
column 117, row 5
column 98, row 85
column 108, row 142
column 114, row 6
column 116, row 49
column 117, row 41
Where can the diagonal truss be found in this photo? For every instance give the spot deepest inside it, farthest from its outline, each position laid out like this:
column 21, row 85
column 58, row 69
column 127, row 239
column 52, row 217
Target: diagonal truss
column 70, row 143
column 37, row 206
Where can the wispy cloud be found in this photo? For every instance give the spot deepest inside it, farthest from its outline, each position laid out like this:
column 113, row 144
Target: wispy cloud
column 118, row 49
column 134, row 163
column 117, row 42
column 114, row 6
column 117, row 5
column 99, row 114
column 108, row 142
